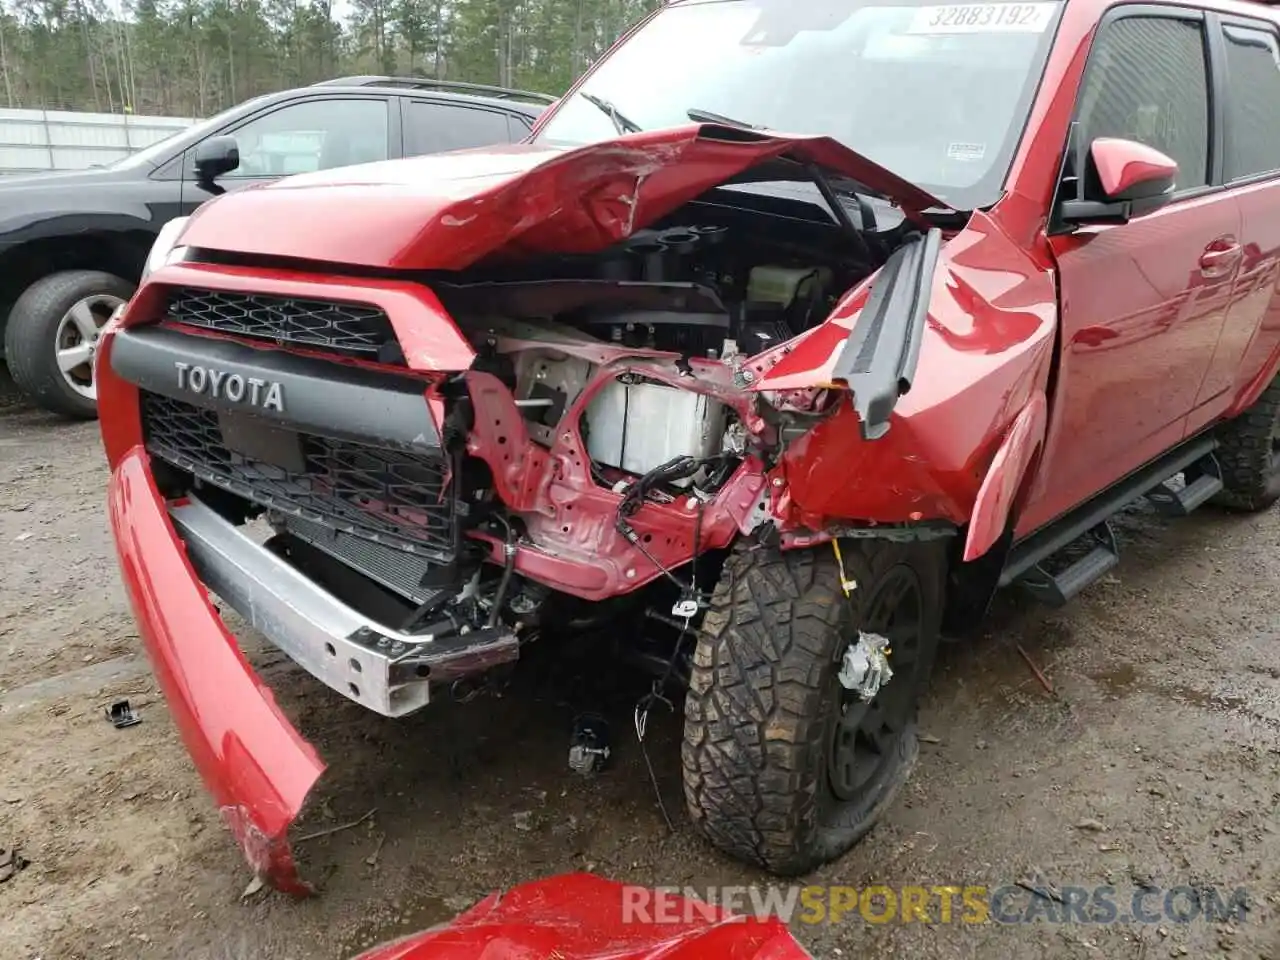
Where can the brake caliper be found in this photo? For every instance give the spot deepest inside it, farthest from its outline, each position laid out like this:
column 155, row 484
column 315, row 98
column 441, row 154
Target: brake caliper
column 865, row 666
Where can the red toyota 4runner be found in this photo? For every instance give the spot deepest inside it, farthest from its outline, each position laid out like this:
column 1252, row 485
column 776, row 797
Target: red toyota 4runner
column 771, row 411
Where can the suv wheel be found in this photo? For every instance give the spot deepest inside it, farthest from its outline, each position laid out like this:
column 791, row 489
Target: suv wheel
column 1249, row 453
column 52, row 338
column 784, row 766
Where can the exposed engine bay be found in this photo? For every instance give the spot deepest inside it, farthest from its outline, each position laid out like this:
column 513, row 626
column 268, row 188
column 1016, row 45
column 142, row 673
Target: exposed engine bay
column 701, row 296
column 629, row 368
column 603, row 439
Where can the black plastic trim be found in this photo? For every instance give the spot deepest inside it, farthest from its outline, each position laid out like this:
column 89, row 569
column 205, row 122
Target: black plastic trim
column 316, row 396
column 1057, row 534
column 1253, row 179
column 879, row 358
column 1216, row 64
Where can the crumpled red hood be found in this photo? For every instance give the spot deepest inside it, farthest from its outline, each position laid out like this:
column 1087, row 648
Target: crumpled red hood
column 579, row 916
column 446, row 211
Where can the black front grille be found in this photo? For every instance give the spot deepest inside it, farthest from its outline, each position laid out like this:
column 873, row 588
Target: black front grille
column 389, row 496
column 349, row 329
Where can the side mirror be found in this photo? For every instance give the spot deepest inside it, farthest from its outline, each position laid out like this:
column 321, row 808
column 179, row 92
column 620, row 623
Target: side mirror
column 1122, row 180
column 215, row 157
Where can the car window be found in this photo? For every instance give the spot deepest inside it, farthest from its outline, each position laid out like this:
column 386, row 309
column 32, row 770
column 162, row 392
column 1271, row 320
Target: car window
column 1147, row 81
column 312, row 135
column 1253, row 101
column 436, row 127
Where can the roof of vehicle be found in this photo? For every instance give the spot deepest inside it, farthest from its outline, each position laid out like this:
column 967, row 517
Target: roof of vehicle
column 523, row 101
column 1268, row 10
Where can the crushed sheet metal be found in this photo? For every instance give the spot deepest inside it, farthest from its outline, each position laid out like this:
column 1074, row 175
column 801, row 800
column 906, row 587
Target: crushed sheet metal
column 584, row 917
column 449, row 211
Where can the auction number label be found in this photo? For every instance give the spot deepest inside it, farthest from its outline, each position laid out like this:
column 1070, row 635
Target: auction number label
column 983, row 18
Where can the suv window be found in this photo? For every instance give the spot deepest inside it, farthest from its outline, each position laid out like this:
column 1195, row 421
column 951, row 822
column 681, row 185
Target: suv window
column 312, row 135
column 436, row 127
column 1253, row 101
column 1147, row 80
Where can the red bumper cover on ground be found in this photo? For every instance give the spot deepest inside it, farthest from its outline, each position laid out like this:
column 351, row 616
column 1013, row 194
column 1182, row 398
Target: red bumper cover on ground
column 584, row 917
column 254, row 763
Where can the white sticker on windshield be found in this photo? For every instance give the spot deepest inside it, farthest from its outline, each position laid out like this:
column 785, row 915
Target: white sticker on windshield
column 983, row 18
column 966, row 151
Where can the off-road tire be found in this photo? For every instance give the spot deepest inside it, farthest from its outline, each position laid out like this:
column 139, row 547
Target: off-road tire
column 760, row 705
column 31, row 334
column 1249, row 454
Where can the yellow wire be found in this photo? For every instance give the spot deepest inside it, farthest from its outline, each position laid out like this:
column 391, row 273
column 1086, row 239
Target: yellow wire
column 845, row 583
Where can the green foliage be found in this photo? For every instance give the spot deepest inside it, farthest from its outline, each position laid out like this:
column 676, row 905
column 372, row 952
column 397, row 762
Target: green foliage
column 195, row 57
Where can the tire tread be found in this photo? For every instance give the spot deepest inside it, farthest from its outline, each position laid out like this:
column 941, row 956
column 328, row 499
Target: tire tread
column 754, row 749
column 32, row 325
column 1245, row 455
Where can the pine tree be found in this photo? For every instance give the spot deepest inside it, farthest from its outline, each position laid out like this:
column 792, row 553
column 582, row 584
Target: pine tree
column 195, row 57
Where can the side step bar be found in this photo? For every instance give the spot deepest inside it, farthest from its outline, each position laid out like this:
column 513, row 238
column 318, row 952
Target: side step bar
column 1203, row 481
column 1026, row 565
column 1056, row 589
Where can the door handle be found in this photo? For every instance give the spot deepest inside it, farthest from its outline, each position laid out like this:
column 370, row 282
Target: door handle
column 1220, row 258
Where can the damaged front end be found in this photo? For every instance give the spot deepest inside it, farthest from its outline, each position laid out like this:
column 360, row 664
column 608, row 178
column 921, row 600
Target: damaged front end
column 254, row 763
column 403, row 477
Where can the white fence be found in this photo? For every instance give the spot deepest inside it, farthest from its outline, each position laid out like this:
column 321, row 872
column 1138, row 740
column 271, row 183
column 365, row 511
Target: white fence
column 33, row 141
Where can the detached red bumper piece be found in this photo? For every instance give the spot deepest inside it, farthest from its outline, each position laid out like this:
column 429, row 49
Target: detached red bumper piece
column 580, row 916
column 254, row 763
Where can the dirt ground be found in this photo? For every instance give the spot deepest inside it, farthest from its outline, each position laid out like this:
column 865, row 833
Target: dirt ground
column 1155, row 762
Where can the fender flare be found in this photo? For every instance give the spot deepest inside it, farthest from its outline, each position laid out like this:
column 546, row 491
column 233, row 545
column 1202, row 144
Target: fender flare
column 1255, row 388
column 994, row 502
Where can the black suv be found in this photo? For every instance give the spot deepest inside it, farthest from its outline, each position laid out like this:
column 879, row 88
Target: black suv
column 73, row 245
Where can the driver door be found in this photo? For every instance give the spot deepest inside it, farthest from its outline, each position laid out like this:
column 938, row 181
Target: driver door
column 1142, row 303
column 299, row 137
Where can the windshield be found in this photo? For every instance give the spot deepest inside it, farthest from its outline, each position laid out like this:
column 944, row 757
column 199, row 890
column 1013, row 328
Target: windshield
column 936, row 94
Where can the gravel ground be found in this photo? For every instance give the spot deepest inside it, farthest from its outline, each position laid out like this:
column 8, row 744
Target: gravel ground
column 1155, row 761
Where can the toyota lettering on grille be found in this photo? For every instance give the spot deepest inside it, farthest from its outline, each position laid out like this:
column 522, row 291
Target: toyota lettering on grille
column 220, row 385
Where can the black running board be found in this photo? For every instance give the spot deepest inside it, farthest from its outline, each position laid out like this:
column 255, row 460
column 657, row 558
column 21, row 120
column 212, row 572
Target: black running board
column 1058, row 589
column 1203, row 482
column 1025, row 564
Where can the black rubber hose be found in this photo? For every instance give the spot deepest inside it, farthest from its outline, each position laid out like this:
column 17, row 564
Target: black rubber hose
column 509, row 550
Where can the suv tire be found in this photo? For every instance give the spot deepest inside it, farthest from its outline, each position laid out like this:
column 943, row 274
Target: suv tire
column 768, row 778
column 1249, row 454
column 53, row 316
